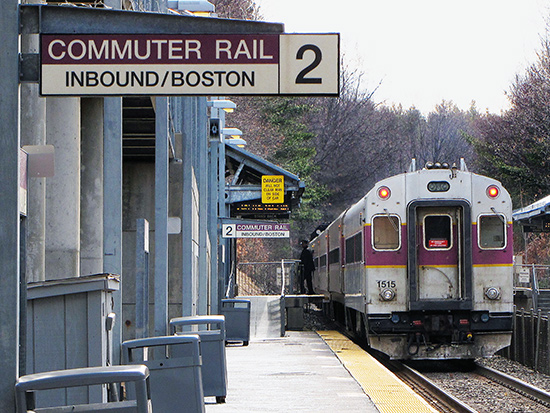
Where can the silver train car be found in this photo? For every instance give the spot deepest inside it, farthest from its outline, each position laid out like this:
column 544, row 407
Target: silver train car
column 422, row 265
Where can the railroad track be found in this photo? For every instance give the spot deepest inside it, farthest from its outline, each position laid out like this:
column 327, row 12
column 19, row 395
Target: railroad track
column 438, row 398
column 533, row 393
column 442, row 400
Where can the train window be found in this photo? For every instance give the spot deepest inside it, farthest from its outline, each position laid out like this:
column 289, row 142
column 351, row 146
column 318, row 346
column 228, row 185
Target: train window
column 323, row 261
column 334, row 256
column 354, row 249
column 438, row 232
column 386, row 232
column 358, row 248
column 350, row 253
column 491, row 231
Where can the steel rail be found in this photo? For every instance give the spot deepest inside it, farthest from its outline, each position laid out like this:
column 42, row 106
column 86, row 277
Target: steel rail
column 437, row 397
column 519, row 386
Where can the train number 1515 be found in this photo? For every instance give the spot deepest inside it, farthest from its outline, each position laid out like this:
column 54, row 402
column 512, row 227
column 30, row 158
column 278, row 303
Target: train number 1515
column 385, row 283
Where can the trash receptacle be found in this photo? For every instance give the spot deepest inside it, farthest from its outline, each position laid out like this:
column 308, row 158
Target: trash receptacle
column 174, row 364
column 88, row 376
column 237, row 320
column 214, row 365
column 294, row 305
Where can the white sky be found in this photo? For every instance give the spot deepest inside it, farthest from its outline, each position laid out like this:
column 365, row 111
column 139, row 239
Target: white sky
column 425, row 51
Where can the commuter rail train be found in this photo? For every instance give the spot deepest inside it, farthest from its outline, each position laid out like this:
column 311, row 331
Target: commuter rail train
column 421, row 266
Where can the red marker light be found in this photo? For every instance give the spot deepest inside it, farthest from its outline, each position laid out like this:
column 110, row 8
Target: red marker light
column 492, row 191
column 384, row 192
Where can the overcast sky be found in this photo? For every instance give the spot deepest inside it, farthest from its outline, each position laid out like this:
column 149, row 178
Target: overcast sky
column 424, row 51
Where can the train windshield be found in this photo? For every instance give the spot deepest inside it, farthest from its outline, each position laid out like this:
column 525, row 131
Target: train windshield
column 386, row 232
column 492, row 232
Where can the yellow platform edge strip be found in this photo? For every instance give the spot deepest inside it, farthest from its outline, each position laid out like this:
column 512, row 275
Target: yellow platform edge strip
column 387, row 392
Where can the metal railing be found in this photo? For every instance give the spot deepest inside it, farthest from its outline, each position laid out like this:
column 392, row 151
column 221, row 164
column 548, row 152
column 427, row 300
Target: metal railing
column 530, row 340
column 266, row 278
column 532, row 279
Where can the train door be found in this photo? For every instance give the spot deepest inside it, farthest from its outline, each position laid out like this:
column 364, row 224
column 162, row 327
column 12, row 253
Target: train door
column 439, row 259
column 438, row 262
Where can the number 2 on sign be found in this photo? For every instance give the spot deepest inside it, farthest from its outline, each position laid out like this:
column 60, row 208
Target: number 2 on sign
column 301, row 78
column 309, row 64
column 228, row 231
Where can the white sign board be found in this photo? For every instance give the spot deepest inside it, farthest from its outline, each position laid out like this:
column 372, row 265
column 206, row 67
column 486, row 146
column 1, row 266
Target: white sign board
column 524, row 276
column 207, row 64
column 256, row 230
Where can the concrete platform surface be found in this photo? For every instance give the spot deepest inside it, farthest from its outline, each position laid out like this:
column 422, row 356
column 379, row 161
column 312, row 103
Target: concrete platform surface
column 295, row 373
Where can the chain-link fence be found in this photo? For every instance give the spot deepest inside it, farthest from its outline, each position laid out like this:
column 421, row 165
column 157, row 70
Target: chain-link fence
column 266, row 278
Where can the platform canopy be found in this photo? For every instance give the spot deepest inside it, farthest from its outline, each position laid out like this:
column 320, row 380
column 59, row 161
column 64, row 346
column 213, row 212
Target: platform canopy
column 244, row 193
column 534, row 217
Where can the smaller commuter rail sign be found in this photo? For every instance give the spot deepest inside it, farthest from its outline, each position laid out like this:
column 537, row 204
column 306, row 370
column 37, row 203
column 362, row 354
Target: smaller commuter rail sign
column 256, row 230
column 189, row 64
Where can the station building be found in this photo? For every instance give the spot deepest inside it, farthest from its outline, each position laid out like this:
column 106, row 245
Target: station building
column 120, row 200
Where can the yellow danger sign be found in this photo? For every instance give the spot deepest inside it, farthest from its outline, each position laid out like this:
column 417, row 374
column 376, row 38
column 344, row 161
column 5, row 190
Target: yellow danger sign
column 273, row 189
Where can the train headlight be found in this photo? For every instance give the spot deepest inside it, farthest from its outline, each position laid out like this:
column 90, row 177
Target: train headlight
column 492, row 293
column 387, row 294
column 493, row 191
column 384, row 192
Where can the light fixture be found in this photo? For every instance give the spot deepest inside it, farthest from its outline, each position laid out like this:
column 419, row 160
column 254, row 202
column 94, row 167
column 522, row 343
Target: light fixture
column 241, row 143
column 232, row 132
column 225, row 104
column 196, row 7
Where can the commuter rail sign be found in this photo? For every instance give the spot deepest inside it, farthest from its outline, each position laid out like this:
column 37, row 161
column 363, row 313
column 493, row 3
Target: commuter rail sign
column 189, row 64
column 256, row 230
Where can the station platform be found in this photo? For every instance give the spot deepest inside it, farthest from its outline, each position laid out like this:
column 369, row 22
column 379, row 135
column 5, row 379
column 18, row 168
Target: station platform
column 306, row 371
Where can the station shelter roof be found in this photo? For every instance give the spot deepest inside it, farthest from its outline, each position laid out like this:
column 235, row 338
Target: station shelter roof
column 244, row 171
column 534, row 217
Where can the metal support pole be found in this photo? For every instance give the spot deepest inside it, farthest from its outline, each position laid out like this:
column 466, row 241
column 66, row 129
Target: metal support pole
column 203, row 273
column 514, row 355
column 161, row 216
column 224, row 257
column 547, row 350
column 142, row 278
column 523, row 359
column 188, row 303
column 213, row 225
column 9, row 203
column 538, row 340
column 532, row 339
column 112, row 206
